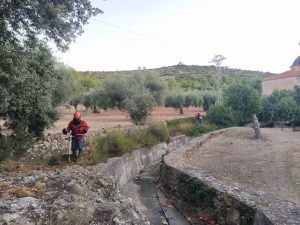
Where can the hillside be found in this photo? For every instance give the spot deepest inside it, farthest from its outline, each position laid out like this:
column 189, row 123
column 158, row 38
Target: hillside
column 183, row 70
column 191, row 76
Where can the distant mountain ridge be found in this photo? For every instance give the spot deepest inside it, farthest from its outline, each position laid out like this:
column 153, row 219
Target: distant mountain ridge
column 186, row 70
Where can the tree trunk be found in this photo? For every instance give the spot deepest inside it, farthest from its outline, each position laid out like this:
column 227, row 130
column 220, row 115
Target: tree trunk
column 256, row 126
column 181, row 110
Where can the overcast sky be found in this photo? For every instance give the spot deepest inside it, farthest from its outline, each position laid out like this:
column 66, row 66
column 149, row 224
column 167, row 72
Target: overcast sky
column 252, row 34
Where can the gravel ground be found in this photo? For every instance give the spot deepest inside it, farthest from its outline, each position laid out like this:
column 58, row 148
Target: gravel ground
column 271, row 165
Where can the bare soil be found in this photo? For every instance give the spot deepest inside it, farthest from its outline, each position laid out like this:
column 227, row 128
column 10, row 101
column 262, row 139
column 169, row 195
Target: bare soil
column 271, row 165
column 115, row 118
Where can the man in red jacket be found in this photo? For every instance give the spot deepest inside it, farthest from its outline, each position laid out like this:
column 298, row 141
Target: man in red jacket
column 77, row 128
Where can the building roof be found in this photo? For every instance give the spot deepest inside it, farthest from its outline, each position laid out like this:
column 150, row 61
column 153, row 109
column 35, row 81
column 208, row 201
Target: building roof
column 286, row 74
column 296, row 62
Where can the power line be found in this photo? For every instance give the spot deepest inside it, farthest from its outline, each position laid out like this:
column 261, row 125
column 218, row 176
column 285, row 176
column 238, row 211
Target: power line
column 123, row 28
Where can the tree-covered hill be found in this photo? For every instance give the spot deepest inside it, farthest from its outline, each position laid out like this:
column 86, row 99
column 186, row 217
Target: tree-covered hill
column 192, row 76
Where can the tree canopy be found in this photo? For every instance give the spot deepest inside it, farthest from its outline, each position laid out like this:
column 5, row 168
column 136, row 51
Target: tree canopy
column 26, row 22
column 31, row 83
column 244, row 100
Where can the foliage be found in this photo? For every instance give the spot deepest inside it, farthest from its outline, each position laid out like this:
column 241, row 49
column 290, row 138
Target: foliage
column 75, row 101
column 139, row 107
column 209, row 98
column 27, row 78
column 221, row 116
column 158, row 130
column 30, row 84
column 175, row 100
column 178, row 99
column 297, row 95
column 115, row 91
column 15, row 145
column 5, row 149
column 28, row 21
column 189, row 127
column 193, row 98
column 181, row 125
column 116, row 143
column 279, row 106
column 198, row 130
column 244, row 101
column 63, row 84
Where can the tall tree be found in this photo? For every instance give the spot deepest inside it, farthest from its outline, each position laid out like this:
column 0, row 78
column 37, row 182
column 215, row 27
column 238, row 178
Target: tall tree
column 28, row 80
column 246, row 102
column 28, row 21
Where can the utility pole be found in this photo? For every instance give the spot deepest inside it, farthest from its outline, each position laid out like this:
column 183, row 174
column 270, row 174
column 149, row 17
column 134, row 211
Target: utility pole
column 218, row 60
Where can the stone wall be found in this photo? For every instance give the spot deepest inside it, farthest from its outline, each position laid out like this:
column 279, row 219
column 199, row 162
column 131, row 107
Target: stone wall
column 52, row 144
column 227, row 204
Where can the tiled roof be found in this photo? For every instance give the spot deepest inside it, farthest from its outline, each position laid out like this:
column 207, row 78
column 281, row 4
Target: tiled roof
column 289, row 73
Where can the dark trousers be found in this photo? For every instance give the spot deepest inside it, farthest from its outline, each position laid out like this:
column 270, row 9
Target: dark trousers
column 78, row 144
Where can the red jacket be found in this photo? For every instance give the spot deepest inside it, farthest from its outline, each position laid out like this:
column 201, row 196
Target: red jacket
column 78, row 128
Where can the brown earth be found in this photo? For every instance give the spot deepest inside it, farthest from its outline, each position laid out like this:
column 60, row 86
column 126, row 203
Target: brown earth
column 115, row 118
column 271, row 165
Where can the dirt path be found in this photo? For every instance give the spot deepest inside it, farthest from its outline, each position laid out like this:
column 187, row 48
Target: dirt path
column 271, row 165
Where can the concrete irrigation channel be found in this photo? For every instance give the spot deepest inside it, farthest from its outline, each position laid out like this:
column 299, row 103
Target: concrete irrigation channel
column 212, row 179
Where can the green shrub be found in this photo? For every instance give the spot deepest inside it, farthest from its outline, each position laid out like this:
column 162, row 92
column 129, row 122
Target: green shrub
column 116, row 143
column 221, row 115
column 198, row 130
column 5, row 149
column 181, row 125
column 158, row 130
column 15, row 145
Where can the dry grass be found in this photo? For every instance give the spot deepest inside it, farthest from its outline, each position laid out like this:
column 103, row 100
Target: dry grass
column 25, row 191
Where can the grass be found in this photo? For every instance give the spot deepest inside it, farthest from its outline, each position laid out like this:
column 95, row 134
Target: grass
column 189, row 127
column 115, row 143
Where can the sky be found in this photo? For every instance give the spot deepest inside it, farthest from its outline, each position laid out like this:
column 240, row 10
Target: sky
column 258, row 35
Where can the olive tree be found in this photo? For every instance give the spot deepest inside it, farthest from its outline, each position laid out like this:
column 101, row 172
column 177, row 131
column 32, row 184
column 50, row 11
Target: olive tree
column 246, row 102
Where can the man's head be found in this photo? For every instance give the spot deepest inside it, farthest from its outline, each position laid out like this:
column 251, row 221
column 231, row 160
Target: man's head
column 77, row 118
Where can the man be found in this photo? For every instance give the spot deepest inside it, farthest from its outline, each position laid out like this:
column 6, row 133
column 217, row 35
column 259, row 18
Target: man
column 199, row 118
column 77, row 128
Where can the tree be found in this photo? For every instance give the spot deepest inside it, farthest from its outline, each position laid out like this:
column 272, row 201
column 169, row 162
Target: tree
column 175, row 100
column 139, row 107
column 297, row 95
column 64, row 85
column 221, row 115
column 193, row 98
column 27, row 22
column 27, row 88
column 244, row 100
column 279, row 106
column 209, row 98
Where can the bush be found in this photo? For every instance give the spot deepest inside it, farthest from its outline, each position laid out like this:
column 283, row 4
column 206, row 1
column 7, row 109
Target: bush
column 221, row 116
column 5, row 149
column 116, row 143
column 181, row 125
column 158, row 130
column 198, row 130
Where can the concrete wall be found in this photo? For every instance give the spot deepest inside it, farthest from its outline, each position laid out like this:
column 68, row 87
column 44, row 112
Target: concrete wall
column 280, row 84
column 126, row 167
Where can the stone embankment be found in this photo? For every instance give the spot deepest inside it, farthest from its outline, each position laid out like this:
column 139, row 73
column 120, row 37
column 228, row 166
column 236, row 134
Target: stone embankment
column 227, row 203
column 77, row 195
